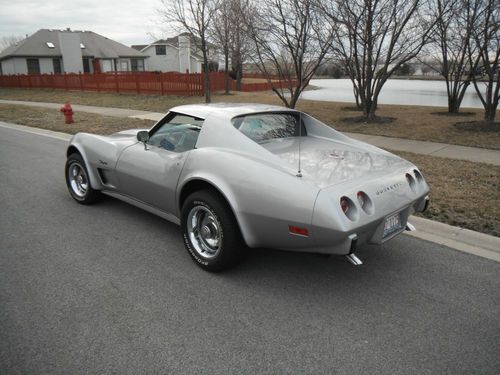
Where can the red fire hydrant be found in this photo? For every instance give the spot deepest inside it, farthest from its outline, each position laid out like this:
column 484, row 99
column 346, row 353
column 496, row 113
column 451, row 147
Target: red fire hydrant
column 68, row 113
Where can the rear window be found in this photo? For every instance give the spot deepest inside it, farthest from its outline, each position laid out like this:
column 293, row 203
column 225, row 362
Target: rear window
column 263, row 127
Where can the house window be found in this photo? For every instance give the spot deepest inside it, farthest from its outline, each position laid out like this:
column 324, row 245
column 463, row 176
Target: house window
column 82, row 46
column 161, row 50
column 50, row 44
column 33, row 66
column 57, row 66
column 137, row 65
column 86, row 65
column 123, row 65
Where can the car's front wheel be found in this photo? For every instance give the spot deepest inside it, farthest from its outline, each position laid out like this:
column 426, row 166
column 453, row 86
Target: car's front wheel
column 211, row 233
column 78, row 182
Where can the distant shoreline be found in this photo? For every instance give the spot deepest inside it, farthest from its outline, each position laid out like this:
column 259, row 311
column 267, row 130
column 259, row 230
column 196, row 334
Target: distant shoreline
column 409, row 78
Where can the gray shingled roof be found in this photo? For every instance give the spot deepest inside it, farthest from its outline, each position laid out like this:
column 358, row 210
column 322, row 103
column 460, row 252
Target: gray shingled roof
column 174, row 41
column 96, row 46
column 139, row 47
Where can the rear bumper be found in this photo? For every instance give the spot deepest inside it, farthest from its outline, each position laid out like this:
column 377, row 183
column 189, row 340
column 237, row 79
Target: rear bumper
column 372, row 232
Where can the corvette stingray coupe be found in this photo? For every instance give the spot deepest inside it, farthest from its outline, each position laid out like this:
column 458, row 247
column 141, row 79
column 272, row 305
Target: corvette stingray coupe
column 237, row 176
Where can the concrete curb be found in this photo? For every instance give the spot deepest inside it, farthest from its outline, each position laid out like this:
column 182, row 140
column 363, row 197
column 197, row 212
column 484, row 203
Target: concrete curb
column 457, row 238
column 38, row 131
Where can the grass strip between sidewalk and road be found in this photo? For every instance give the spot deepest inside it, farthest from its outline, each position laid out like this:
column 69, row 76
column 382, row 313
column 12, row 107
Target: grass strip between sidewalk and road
column 410, row 122
column 52, row 119
column 463, row 193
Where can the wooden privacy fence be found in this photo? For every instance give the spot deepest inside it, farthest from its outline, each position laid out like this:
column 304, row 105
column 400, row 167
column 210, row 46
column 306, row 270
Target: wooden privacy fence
column 155, row 83
column 172, row 83
column 217, row 83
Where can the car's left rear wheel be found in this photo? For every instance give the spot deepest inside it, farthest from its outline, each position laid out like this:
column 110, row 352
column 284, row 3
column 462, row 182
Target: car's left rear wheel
column 211, row 233
column 78, row 182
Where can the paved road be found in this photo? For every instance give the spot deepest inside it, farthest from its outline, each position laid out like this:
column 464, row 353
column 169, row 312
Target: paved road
column 109, row 288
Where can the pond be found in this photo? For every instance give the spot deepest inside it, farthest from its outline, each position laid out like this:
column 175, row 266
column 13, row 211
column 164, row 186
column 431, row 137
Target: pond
column 395, row 91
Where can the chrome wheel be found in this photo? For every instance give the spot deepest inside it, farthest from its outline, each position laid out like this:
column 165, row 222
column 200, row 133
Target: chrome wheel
column 204, row 231
column 78, row 179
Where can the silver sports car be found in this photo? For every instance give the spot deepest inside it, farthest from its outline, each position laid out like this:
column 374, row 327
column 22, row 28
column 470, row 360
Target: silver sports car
column 250, row 175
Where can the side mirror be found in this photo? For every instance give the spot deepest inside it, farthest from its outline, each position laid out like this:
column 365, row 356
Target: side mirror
column 143, row 136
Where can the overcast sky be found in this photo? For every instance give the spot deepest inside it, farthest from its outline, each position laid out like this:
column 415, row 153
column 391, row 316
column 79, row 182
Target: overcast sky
column 126, row 21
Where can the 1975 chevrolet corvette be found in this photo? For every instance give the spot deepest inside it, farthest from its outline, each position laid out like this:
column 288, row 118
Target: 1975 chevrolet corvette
column 248, row 175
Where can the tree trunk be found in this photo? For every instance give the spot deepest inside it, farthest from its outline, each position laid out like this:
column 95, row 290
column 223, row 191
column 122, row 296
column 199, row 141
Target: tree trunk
column 489, row 113
column 226, row 71
column 294, row 98
column 356, row 97
column 239, row 77
column 453, row 105
column 371, row 112
column 208, row 96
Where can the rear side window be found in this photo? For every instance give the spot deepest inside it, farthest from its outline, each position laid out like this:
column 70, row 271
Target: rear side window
column 263, row 127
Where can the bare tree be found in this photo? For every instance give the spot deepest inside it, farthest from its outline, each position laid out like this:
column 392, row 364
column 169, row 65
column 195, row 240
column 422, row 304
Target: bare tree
column 241, row 44
column 222, row 33
column 373, row 38
column 291, row 39
column 9, row 40
column 449, row 47
column 195, row 17
column 484, row 54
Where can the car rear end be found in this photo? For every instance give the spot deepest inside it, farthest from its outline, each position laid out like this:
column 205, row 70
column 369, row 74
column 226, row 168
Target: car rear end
column 367, row 210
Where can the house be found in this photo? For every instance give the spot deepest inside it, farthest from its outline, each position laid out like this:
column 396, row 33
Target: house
column 177, row 54
column 65, row 51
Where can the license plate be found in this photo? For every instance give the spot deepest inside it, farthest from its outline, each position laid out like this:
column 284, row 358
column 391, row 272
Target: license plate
column 392, row 224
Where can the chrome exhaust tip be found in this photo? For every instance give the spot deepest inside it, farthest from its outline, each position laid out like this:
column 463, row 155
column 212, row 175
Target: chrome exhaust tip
column 353, row 259
column 410, row 227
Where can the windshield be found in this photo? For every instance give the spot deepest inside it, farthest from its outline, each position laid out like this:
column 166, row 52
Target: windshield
column 178, row 134
column 263, row 127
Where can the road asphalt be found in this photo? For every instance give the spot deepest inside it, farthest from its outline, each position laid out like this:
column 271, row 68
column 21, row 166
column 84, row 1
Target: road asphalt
column 473, row 154
column 110, row 289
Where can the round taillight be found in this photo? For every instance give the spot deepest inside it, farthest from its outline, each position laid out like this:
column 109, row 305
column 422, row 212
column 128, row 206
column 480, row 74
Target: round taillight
column 411, row 181
column 344, row 204
column 348, row 208
column 365, row 202
column 418, row 176
column 361, row 198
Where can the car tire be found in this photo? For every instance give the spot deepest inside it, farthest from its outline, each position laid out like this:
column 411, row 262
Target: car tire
column 78, row 182
column 210, row 231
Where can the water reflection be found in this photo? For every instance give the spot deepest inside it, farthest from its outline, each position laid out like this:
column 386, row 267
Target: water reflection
column 395, row 91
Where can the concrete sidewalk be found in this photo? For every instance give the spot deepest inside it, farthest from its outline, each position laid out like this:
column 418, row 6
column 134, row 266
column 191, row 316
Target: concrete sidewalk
column 473, row 154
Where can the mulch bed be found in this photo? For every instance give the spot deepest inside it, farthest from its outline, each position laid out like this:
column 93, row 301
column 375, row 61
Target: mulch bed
column 364, row 120
column 478, row 126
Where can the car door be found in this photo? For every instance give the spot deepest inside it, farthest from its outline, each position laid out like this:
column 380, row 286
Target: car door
column 149, row 172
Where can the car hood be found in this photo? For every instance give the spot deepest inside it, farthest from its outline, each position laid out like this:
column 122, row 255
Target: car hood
column 327, row 162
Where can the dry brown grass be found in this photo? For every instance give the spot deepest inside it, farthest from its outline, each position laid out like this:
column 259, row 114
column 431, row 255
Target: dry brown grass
column 52, row 119
column 412, row 122
column 463, row 193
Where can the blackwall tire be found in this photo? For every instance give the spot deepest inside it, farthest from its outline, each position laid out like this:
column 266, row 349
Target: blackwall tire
column 78, row 182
